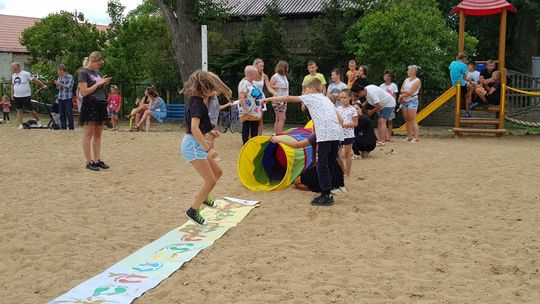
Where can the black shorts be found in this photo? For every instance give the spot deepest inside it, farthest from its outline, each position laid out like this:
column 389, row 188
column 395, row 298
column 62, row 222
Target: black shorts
column 464, row 90
column 310, row 178
column 23, row 103
column 493, row 99
column 347, row 141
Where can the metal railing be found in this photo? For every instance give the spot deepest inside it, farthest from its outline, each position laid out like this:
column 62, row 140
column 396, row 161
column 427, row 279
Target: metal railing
column 518, row 102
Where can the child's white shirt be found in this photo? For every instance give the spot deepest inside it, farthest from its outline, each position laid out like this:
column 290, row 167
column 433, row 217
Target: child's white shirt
column 348, row 114
column 390, row 89
column 324, row 115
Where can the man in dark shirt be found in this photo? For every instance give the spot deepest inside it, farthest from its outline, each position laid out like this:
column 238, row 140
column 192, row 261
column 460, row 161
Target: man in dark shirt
column 486, row 74
column 491, row 94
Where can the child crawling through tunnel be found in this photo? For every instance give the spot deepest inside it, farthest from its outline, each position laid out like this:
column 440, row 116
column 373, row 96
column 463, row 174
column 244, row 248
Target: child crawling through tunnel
column 309, row 180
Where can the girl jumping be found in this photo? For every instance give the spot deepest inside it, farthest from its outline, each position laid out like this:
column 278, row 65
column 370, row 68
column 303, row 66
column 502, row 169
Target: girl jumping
column 196, row 147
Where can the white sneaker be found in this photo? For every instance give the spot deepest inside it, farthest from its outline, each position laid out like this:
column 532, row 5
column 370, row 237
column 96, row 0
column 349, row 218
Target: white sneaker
column 343, row 189
column 356, row 156
column 21, row 127
column 39, row 124
column 335, row 191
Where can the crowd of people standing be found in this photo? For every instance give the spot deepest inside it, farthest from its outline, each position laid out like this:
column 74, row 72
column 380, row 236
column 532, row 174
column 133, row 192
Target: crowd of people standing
column 340, row 112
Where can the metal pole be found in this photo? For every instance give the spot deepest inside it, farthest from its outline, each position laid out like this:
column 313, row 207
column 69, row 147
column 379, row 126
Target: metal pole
column 204, row 47
column 502, row 67
column 458, row 104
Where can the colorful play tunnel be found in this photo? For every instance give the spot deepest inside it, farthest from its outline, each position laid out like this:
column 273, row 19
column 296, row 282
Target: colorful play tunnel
column 264, row 165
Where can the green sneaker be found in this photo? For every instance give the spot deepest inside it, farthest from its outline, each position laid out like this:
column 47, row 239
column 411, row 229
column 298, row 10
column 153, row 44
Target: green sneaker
column 209, row 201
column 196, row 217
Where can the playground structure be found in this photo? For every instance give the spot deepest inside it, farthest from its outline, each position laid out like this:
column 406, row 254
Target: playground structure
column 263, row 165
column 484, row 8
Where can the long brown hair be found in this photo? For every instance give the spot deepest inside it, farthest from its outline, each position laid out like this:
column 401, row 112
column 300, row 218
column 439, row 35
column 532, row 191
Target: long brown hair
column 282, row 68
column 202, row 83
column 152, row 92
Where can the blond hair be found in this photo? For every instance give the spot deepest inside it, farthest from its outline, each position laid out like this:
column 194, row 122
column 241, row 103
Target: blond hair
column 257, row 61
column 203, row 83
column 414, row 67
column 94, row 56
column 315, row 84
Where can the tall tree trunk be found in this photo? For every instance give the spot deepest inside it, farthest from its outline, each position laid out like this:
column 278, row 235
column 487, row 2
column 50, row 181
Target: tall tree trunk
column 186, row 36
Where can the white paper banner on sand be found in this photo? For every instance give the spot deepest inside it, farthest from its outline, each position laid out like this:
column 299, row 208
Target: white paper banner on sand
column 147, row 267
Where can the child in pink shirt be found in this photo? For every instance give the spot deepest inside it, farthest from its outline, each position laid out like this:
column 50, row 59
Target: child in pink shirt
column 6, row 107
column 115, row 101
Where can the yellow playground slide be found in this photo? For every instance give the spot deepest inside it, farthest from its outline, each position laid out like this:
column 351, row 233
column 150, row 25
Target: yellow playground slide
column 444, row 98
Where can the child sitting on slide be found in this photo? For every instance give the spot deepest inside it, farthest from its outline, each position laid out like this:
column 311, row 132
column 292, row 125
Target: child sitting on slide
column 329, row 134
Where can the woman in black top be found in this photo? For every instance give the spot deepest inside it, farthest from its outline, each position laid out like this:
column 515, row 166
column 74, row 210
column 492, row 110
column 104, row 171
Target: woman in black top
column 93, row 114
column 196, row 144
column 365, row 139
column 361, row 80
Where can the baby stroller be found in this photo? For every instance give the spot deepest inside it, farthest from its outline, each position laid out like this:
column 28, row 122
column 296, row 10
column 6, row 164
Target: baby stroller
column 52, row 110
column 54, row 123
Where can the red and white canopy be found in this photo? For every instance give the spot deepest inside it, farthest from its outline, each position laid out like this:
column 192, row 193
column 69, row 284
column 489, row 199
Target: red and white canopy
column 483, row 7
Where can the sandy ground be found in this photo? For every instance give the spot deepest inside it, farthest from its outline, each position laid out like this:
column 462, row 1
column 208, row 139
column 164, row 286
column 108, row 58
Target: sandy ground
column 445, row 221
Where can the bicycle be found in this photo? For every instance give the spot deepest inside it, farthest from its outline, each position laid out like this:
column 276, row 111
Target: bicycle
column 230, row 120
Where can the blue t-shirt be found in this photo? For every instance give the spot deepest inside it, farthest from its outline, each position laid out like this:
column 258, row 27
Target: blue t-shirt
column 457, row 70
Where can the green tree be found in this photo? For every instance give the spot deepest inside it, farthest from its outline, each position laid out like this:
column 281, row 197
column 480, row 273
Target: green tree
column 148, row 7
column 61, row 38
column 265, row 42
column 523, row 33
column 115, row 9
column 184, row 19
column 268, row 41
column 140, row 53
column 328, row 34
column 405, row 33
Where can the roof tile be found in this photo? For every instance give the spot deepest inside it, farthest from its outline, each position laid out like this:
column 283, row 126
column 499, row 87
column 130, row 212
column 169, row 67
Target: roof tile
column 287, row 7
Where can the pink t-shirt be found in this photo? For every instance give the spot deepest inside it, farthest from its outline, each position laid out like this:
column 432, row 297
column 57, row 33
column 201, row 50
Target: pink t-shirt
column 114, row 102
column 5, row 106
